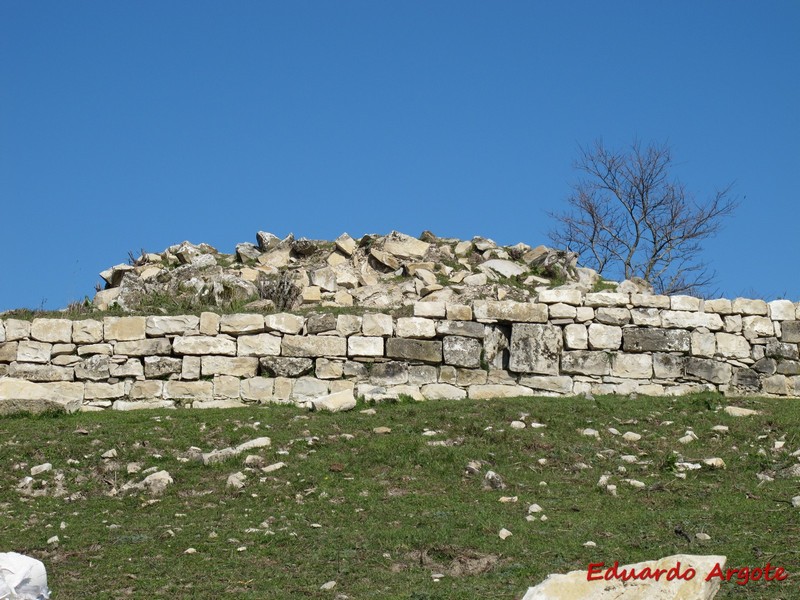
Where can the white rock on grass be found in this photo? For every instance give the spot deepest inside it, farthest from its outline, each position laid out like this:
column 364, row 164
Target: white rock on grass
column 714, row 462
column 22, row 577
column 236, row 480
column 328, row 586
column 630, row 436
column 43, row 468
column 517, row 424
column 336, row 402
column 589, row 432
column 736, row 411
column 688, row 438
column 504, row 533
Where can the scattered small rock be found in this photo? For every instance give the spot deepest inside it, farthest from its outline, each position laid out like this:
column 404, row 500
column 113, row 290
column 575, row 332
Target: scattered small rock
column 589, row 432
column 630, row 436
column 109, row 454
column 505, row 533
column 43, row 468
column 381, row 430
column 493, row 481
column 736, row 411
column 328, row 586
column 517, row 424
column 236, row 480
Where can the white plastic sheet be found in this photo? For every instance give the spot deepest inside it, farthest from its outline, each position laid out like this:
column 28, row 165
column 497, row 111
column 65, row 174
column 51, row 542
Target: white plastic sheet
column 22, row 578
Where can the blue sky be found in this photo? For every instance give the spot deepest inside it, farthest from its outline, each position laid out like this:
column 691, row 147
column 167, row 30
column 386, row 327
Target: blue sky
column 128, row 125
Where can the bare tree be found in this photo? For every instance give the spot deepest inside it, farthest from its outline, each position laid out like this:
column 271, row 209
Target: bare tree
column 629, row 217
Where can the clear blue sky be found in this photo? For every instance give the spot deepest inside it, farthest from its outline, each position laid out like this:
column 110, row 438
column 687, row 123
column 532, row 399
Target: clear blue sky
column 128, row 125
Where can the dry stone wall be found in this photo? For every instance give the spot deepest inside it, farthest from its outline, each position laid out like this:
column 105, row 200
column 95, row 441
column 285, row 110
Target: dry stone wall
column 564, row 342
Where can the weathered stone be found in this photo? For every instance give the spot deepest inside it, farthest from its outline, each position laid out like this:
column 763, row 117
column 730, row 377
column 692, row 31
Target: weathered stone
column 190, row 368
column 257, row 389
column 209, row 323
column 576, row 585
column 148, row 347
column 606, row 299
column 62, row 349
column 39, row 372
column 650, row 317
column 720, row 306
column 584, row 313
column 555, row 384
column 87, row 331
column 489, row 391
column 535, row 348
column 767, row 366
column 52, row 330
column 778, row 349
column 261, row 344
column 163, row 326
column 684, row 303
column 640, row 339
column 732, row 346
column 105, row 349
column 95, row 368
column 744, row 306
column 336, row 402
column 225, row 387
column 376, row 324
column 189, row 390
column 161, row 366
column 582, row 362
column 467, row 377
column 124, row 328
column 422, row 374
column 650, row 301
column 703, row 344
column 204, row 344
column 389, row 373
column 562, row 311
column 789, row 367
column 576, row 337
column 635, row 366
column 514, row 312
column 19, row 395
column 503, row 268
column 328, row 369
column 241, row 323
column 613, row 316
column 146, row 390
column 285, row 323
column 709, row 370
column 414, row 350
column 347, row 325
column 8, row 352
column 313, row 345
column 462, row 328
column 33, row 352
column 775, row 384
column 689, row 320
column 384, row 259
column 477, row 279
column 561, row 296
column 267, row 241
column 459, row 312
column 306, row 388
column 142, row 405
column 405, row 246
column 17, row 329
column 324, row 279
column 280, row 366
column 755, row 327
column 65, row 360
column 604, row 337
column 462, row 351
column 435, row 310
column 94, row 390
column 668, row 366
column 320, row 323
column 345, row 244
column 442, row 391
column 496, row 344
column 415, row 327
column 782, row 310
column 790, row 332
column 241, row 366
column 364, row 346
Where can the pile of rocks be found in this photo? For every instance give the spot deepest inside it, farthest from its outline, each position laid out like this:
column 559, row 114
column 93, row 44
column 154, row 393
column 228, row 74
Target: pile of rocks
column 376, row 272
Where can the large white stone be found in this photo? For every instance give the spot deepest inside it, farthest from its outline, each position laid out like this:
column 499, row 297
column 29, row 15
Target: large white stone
column 442, row 391
column 636, row 366
column 604, row 337
column 261, row 344
column 416, row 327
column 377, row 324
column 285, row 323
column 561, row 296
column 52, row 330
column 364, row 346
column 505, row 268
column 241, row 323
column 179, row 325
column 124, row 328
column 19, row 395
column 745, row 306
column 405, row 246
column 33, row 352
column 508, row 310
column 336, row 402
column 779, row 310
column 754, row 327
column 732, row 346
column 204, row 344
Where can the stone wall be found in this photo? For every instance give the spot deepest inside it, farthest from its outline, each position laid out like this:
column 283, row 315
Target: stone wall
column 565, row 342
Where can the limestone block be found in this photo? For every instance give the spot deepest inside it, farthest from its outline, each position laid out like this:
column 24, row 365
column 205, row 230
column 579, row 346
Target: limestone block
column 775, row 384
column 257, row 389
column 320, row 323
column 462, row 351
column 462, row 328
column 163, row 326
column 781, row 350
column 576, row 337
column 241, row 366
column 225, row 387
column 649, row 317
column 209, row 323
column 204, row 344
column 467, row 377
column 88, row 350
column 732, row 346
column 65, row 360
column 584, row 362
column 389, row 373
column 282, row 389
column 612, row 316
column 241, row 323
column 325, row 279
column 688, row 320
column 721, row 306
column 442, row 391
column 606, row 299
column 62, row 349
column 604, row 337
column 281, row 366
column 779, row 310
column 148, row 347
column 285, row 323
column 405, row 246
column 733, row 324
column 561, row 296
column 343, row 298
column 33, row 352
column 2, row 331
column 755, row 327
column 328, row 369
column 634, row 366
column 744, row 306
column 490, row 391
column 40, row 372
column 347, row 325
column 435, row 310
column 650, row 301
column 790, row 331
column 17, row 329
column 640, row 339
column 52, row 330
column 535, row 348
column 261, row 344
column 414, row 350
column 146, row 390
column 709, row 370
column 94, row 390
column 562, row 311
column 124, row 328
column 307, row 388
column 514, row 312
column 576, row 585
column 189, row 390
column 190, row 368
column 416, row 327
column 345, row 244
column 95, row 368
column 19, row 395
column 746, row 380
column 459, row 312
column 335, row 402
column 377, row 324
column 364, row 346
column 684, row 303
column 8, row 352
column 384, row 259
column 584, row 313
column 313, row 345
column 703, row 344
column 556, row 384
column 448, row 374
column 161, row 366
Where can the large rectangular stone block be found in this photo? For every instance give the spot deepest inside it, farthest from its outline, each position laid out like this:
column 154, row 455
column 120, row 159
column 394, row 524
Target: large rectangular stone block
column 507, row 310
column 103, row 391
column 148, row 347
column 556, row 384
column 561, row 296
column 33, row 352
column 462, row 351
column 146, row 390
column 257, row 389
column 190, row 390
column 52, row 330
column 124, row 329
column 689, row 320
column 414, row 350
column 640, row 339
column 161, row 366
column 38, row 372
column 709, row 370
column 377, row 324
column 17, row 329
column 178, row 325
column 755, row 327
column 415, row 327
column 8, row 352
column 364, row 346
column 586, row 362
column 604, row 337
column 241, row 323
column 463, row 328
column 490, row 391
column 87, row 331
column 606, row 299
column 782, row 310
column 262, row 344
column 636, row 366
column 285, row 323
column 535, row 348
column 313, row 345
column 746, row 306
column 790, row 332
column 241, row 366
column 732, row 346
column 204, row 344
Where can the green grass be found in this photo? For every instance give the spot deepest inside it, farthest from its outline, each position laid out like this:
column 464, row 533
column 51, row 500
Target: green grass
column 394, row 509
